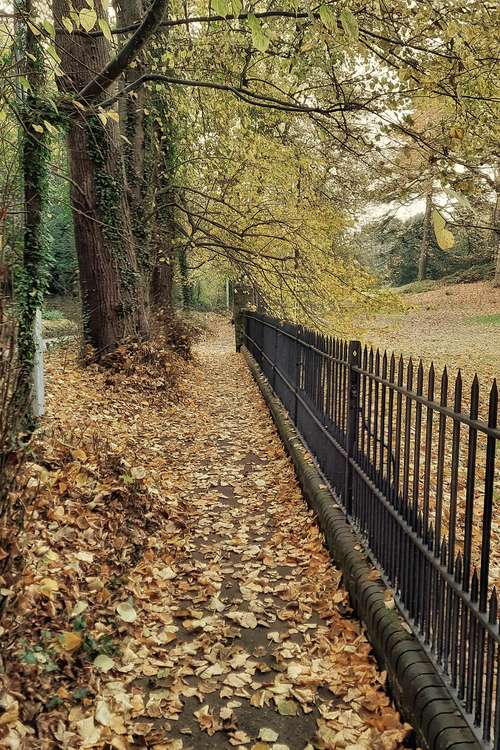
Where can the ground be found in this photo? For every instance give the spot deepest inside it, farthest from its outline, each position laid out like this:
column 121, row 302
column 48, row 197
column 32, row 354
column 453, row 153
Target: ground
column 457, row 325
column 176, row 592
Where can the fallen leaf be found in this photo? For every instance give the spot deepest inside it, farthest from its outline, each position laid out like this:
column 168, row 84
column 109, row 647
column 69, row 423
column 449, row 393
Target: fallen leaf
column 104, row 663
column 71, row 641
column 126, row 612
column 268, row 735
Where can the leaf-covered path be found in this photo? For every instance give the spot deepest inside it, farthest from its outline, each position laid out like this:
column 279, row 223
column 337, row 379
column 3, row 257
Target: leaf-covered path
column 226, row 622
column 270, row 655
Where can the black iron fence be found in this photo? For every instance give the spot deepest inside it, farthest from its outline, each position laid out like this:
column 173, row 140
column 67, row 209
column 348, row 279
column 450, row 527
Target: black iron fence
column 412, row 462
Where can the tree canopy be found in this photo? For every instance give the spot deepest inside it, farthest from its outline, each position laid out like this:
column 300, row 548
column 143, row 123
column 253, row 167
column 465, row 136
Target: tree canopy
column 251, row 141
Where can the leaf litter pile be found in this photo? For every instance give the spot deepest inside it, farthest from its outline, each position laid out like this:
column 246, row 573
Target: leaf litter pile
column 176, row 593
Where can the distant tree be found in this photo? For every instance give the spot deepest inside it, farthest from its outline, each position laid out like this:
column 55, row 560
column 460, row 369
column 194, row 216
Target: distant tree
column 393, row 247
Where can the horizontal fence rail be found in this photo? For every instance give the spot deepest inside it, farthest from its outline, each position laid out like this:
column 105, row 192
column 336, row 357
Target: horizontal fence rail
column 412, row 461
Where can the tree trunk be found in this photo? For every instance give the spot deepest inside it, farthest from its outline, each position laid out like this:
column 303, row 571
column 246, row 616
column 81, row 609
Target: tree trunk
column 112, row 289
column 34, row 154
column 162, row 283
column 164, row 220
column 186, row 284
column 139, row 149
column 496, row 233
column 426, row 237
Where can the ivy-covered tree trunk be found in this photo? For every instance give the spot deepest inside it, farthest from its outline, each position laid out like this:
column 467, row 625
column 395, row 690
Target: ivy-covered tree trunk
column 112, row 289
column 186, row 284
column 162, row 279
column 34, row 155
column 140, row 148
column 426, row 239
column 496, row 231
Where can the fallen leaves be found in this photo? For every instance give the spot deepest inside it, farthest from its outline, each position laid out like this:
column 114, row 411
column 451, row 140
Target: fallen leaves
column 126, row 612
column 245, row 619
column 176, row 584
column 71, row 641
column 103, row 663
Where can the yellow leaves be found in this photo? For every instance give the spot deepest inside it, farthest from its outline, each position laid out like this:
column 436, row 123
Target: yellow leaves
column 126, row 612
column 89, row 733
column 79, row 608
column 109, row 115
column 457, row 133
column 34, row 30
column 268, row 735
column 87, row 18
column 71, row 641
column 106, row 717
column 328, row 17
column 10, row 709
column 286, row 707
column 48, row 587
column 104, row 26
column 79, row 454
column 349, row 23
column 138, row 472
column 67, row 23
column 257, row 559
column 220, row 7
column 259, row 39
column 443, row 236
column 84, row 556
column 103, row 663
column 50, row 128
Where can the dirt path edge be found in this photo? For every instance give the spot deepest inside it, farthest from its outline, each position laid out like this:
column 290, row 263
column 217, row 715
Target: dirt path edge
column 417, row 689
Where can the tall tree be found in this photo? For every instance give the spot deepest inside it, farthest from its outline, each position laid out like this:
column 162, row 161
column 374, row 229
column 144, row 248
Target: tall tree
column 112, row 291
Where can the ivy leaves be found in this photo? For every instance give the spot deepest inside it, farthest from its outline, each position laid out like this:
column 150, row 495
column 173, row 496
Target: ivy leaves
column 259, row 39
column 328, row 18
column 348, row 21
column 88, row 18
column 227, row 8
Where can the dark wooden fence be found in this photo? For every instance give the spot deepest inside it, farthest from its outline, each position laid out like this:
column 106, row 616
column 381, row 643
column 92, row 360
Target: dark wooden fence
column 413, row 466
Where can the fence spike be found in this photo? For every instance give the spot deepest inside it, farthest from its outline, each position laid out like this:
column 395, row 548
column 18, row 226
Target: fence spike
column 493, row 606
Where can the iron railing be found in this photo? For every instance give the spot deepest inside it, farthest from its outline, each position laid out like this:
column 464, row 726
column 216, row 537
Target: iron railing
column 413, row 466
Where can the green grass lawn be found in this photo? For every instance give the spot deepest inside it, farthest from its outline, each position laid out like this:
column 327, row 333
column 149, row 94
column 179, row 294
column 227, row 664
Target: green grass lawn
column 492, row 319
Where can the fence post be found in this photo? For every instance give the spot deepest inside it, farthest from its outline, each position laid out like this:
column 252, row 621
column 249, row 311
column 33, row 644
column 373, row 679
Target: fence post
column 241, row 302
column 298, row 332
column 353, row 360
column 275, row 355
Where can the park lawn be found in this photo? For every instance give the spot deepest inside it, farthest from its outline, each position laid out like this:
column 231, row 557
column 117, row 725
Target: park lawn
column 457, row 325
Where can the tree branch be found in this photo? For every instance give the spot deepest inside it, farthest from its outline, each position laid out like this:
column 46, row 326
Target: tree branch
column 127, row 54
column 244, row 94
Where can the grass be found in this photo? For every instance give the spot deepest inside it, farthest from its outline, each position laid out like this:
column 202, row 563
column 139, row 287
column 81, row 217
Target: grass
column 52, row 314
column 451, row 325
column 59, row 327
column 61, row 317
column 416, row 287
column 492, row 319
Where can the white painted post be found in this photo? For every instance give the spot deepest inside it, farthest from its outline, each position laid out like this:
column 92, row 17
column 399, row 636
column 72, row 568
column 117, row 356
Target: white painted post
column 38, row 397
